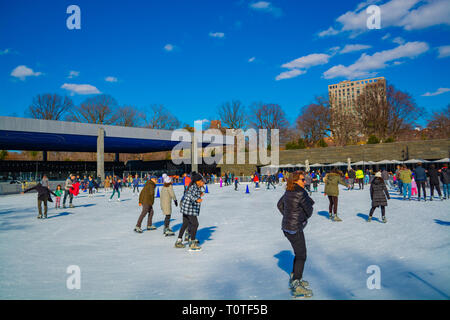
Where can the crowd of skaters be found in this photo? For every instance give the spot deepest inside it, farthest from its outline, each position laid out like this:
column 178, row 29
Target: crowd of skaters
column 296, row 204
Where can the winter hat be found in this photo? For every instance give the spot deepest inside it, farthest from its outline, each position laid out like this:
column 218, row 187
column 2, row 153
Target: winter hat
column 196, row 177
column 378, row 174
column 167, row 179
column 164, row 176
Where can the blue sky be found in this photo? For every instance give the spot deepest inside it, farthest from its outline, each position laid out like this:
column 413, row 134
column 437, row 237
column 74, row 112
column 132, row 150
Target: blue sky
column 191, row 56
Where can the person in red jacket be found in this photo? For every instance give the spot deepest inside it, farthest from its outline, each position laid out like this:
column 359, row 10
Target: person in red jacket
column 256, row 181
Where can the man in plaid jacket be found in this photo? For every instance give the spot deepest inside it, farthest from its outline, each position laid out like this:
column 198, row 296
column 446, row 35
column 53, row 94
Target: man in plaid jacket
column 190, row 208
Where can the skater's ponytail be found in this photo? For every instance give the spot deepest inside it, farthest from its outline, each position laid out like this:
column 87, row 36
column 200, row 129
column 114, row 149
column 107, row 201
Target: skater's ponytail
column 293, row 177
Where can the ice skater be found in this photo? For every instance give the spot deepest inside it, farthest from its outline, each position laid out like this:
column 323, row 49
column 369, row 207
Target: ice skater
column 136, row 184
column 58, row 193
column 167, row 195
column 43, row 197
column 236, row 183
column 332, row 182
column 146, row 200
column 190, row 209
column 69, row 182
column 296, row 206
column 116, row 188
column 379, row 195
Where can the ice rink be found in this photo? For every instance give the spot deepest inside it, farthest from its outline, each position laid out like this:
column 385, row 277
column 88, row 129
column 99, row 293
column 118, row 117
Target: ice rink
column 244, row 252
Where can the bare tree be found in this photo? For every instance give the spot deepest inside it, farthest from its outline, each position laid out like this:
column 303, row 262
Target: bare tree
column 160, row 118
column 439, row 124
column 49, row 106
column 232, row 115
column 372, row 110
column 403, row 111
column 269, row 116
column 101, row 109
column 344, row 127
column 128, row 116
column 313, row 123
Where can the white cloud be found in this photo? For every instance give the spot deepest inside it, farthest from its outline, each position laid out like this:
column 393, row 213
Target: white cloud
column 266, row 6
column 251, row 59
column 217, row 34
column 310, row 60
column 354, row 47
column 169, row 47
column 406, row 14
column 22, row 72
column 111, row 79
column 329, row 32
column 444, row 51
column 367, row 65
column 289, row 74
column 73, row 74
column 434, row 12
column 299, row 66
column 437, row 92
column 80, row 88
column 398, row 40
column 387, row 35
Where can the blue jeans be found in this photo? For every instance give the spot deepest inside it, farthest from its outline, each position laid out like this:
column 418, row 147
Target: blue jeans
column 446, row 189
column 400, row 186
column 407, row 189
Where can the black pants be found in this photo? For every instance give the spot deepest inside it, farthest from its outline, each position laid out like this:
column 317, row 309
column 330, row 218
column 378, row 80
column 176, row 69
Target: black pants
column 333, row 204
column 383, row 211
column 136, row 187
column 421, row 184
column 145, row 209
column 438, row 188
column 298, row 243
column 192, row 223
column 167, row 221
column 67, row 193
column 361, row 183
column 90, row 190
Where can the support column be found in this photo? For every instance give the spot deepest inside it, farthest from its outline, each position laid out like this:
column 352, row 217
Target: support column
column 194, row 154
column 44, row 156
column 101, row 154
column 117, row 159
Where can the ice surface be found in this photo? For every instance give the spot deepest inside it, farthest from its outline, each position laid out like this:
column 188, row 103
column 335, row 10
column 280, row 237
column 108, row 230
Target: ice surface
column 245, row 254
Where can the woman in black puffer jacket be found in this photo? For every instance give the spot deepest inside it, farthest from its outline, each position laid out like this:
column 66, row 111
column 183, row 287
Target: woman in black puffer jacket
column 379, row 195
column 296, row 207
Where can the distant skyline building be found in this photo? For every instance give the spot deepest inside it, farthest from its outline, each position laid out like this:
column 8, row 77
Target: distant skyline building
column 343, row 95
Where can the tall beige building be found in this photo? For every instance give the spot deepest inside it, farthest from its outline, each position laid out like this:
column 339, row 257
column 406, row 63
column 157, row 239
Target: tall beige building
column 343, row 94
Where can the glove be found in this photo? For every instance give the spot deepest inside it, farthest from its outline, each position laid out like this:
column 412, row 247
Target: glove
column 176, row 203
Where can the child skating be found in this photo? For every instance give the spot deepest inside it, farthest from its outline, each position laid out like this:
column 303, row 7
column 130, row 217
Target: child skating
column 58, row 193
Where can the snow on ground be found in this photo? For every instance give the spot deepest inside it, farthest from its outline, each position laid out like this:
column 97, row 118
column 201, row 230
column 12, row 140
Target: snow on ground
column 245, row 254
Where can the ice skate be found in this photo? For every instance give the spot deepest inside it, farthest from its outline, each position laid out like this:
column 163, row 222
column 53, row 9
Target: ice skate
column 193, row 246
column 71, row 206
column 138, row 230
column 369, row 219
column 39, row 216
column 304, row 283
column 384, row 220
column 152, row 227
column 336, row 218
column 187, row 237
column 299, row 291
column 179, row 243
column 118, row 200
column 168, row 232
